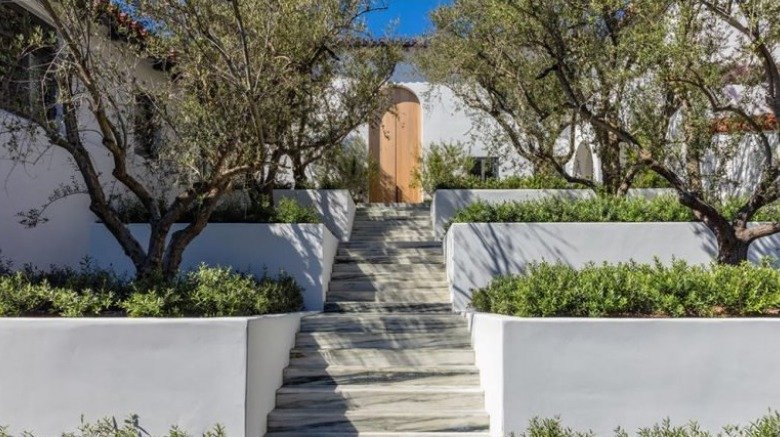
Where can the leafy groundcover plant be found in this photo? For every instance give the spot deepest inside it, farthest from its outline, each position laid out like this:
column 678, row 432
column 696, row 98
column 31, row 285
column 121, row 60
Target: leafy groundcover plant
column 284, row 211
column 664, row 208
column 109, row 427
column 766, row 426
column 634, row 290
column 89, row 292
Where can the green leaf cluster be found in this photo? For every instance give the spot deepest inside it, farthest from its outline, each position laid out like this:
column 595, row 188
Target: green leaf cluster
column 662, row 208
column 205, row 292
column 634, row 290
column 766, row 426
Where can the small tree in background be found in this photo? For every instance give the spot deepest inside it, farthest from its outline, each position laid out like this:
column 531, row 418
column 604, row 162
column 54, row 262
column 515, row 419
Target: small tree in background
column 697, row 68
column 180, row 142
column 490, row 53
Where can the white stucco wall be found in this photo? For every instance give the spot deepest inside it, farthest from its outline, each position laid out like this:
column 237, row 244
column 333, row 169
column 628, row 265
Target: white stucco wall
column 336, row 208
column 305, row 251
column 598, row 374
column 475, row 253
column 193, row 373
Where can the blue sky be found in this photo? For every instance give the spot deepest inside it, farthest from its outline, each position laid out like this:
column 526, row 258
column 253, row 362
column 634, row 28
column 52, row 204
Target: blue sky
column 408, row 18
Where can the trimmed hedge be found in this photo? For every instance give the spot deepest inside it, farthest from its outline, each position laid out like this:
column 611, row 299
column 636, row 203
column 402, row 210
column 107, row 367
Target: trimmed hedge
column 205, row 292
column 130, row 427
column 286, row 210
column 634, row 290
column 535, row 182
column 766, row 426
column 663, row 208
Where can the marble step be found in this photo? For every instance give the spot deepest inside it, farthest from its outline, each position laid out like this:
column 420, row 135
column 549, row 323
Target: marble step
column 381, row 357
column 346, row 340
column 344, row 271
column 392, row 283
column 411, row 222
column 389, row 251
column 387, row 307
column 334, row 322
column 377, row 398
column 369, row 269
column 391, row 296
column 379, row 434
column 305, row 421
column 391, row 244
column 390, row 231
column 385, row 377
column 390, row 259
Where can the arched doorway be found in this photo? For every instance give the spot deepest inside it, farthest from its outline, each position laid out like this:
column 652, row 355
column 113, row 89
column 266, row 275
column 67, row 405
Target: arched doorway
column 395, row 143
column 583, row 162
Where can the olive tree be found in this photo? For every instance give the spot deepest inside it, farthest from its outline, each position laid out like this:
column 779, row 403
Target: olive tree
column 179, row 143
column 701, row 73
column 496, row 54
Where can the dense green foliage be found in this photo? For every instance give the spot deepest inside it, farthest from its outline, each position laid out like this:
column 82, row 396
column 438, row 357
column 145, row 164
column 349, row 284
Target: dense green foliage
column 130, row 427
column 348, row 167
column 766, row 426
column 448, row 166
column 663, row 208
column 630, row 289
column 285, row 211
column 89, row 292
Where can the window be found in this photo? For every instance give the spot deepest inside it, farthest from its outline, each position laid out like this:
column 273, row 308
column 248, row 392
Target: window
column 26, row 88
column 147, row 132
column 485, row 167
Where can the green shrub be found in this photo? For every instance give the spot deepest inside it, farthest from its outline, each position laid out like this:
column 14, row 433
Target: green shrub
column 348, row 167
column 637, row 290
column 662, row 208
column 534, row 182
column 442, row 165
column 205, row 292
column 597, row 209
column 288, row 210
column 109, row 427
column 766, row 426
column 234, row 211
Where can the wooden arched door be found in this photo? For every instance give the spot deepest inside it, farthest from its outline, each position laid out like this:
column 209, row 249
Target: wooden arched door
column 395, row 143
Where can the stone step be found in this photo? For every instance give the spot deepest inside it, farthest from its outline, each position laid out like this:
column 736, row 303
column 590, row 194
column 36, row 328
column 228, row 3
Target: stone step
column 385, row 377
column 387, row 307
column 391, row 244
column 342, row 271
column 390, row 259
column 411, row 222
column 387, row 269
column 380, row 434
column 381, row 284
column 391, row 296
column 319, row 422
column 381, row 357
column 390, row 251
column 380, row 398
column 345, row 340
column 383, row 323
column 390, row 231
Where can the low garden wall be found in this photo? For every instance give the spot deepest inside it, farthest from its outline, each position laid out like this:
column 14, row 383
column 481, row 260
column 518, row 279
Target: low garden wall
column 336, row 208
column 475, row 253
column 193, row 373
column 446, row 203
column 305, row 251
column 600, row 373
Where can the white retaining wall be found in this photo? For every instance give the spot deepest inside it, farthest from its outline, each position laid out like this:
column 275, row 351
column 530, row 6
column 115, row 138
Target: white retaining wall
column 193, row 373
column 305, row 251
column 602, row 373
column 336, row 208
column 447, row 203
column 477, row 252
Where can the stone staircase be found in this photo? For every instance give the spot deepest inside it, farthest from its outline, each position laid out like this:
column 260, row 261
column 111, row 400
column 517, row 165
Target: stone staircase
column 388, row 357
